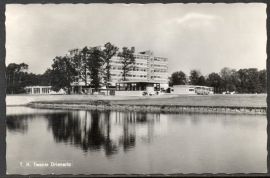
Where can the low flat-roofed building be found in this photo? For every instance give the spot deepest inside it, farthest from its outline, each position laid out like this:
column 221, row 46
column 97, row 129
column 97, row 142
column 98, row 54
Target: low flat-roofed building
column 42, row 90
column 184, row 89
column 192, row 89
column 137, row 88
column 38, row 89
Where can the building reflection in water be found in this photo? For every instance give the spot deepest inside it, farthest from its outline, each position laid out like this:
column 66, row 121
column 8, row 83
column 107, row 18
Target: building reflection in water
column 103, row 130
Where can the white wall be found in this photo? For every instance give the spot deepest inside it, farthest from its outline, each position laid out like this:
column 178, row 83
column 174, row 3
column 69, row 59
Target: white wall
column 182, row 90
column 128, row 93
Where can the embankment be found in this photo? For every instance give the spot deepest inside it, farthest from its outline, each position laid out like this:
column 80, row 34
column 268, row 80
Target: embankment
column 106, row 105
column 17, row 100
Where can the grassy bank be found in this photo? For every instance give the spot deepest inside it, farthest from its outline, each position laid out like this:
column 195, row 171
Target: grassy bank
column 200, row 100
column 245, row 100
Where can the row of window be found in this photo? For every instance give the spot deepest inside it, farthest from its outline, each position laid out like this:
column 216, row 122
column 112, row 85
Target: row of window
column 160, row 70
column 45, row 90
column 37, row 90
column 161, row 59
column 119, row 75
column 134, row 86
column 156, row 65
column 161, row 77
column 142, row 76
column 136, row 69
column 140, row 57
column 140, row 64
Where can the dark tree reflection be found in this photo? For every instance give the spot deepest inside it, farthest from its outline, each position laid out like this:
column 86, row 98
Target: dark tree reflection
column 17, row 123
column 92, row 131
column 128, row 139
column 74, row 128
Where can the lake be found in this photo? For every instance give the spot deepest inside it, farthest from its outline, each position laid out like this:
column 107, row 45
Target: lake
column 131, row 142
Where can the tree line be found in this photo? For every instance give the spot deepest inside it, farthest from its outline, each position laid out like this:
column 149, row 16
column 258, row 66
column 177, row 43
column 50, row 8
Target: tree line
column 249, row 80
column 17, row 78
column 92, row 65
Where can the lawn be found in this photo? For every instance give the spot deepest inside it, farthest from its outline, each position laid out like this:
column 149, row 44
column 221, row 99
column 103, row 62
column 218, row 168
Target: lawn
column 203, row 100
column 258, row 100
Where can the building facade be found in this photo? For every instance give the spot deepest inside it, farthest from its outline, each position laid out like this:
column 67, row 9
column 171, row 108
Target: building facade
column 147, row 68
column 192, row 89
column 42, row 90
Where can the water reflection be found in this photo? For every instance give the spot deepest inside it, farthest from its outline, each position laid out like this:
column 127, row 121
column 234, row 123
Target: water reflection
column 138, row 142
column 92, row 130
column 17, row 124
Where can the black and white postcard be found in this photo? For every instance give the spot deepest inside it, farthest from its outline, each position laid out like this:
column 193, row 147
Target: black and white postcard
column 136, row 88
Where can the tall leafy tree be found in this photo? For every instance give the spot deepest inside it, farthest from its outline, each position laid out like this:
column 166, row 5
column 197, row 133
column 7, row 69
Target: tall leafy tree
column 80, row 62
column 14, row 76
column 178, row 78
column 63, row 71
column 95, row 65
column 194, row 77
column 46, row 78
column 127, row 61
column 234, row 81
column 225, row 74
column 253, row 81
column 214, row 80
column 242, row 73
column 263, row 80
column 201, row 81
column 109, row 51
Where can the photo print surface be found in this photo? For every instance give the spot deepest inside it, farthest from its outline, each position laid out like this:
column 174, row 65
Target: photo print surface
column 136, row 88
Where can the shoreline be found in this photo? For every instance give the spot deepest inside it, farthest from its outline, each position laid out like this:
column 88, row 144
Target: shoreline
column 106, row 105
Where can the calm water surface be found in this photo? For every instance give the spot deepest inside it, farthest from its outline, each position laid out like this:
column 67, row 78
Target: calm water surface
column 111, row 142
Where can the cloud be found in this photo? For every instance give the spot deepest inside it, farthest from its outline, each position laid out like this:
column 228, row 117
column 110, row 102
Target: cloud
column 195, row 16
column 195, row 20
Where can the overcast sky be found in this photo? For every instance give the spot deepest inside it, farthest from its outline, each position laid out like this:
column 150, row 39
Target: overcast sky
column 193, row 36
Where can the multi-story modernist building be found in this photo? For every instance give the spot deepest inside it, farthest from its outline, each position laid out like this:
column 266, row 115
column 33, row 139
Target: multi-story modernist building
column 147, row 68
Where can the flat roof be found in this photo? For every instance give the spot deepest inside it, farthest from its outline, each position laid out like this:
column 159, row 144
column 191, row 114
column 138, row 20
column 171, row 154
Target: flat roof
column 190, row 86
column 137, row 82
column 37, row 86
column 184, row 86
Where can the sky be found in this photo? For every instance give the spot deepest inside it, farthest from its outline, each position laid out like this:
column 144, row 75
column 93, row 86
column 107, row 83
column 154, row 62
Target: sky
column 207, row 37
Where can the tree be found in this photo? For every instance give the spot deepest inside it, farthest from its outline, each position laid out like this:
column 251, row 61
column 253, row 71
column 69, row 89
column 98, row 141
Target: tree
column 253, row 81
column 243, row 80
column 15, row 74
column 109, row 51
column 201, row 81
column 63, row 71
column 127, row 61
column 80, row 62
column 194, row 77
column 46, row 78
column 95, row 65
column 178, row 78
column 225, row 74
column 263, row 80
column 250, row 80
column 214, row 80
column 234, row 81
